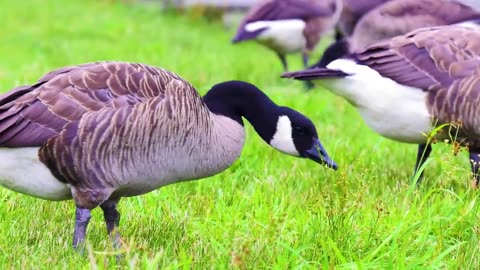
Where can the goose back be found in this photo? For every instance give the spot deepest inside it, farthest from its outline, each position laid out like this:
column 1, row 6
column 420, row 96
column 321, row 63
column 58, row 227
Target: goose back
column 352, row 11
column 272, row 10
column 317, row 27
column 398, row 17
column 64, row 95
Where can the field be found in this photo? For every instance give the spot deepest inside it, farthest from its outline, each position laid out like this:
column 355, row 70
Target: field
column 268, row 210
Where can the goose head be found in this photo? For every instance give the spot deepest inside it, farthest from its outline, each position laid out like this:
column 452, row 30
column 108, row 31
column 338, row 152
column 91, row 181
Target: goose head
column 296, row 135
column 283, row 128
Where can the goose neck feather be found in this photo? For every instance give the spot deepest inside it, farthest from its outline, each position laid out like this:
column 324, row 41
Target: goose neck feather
column 237, row 99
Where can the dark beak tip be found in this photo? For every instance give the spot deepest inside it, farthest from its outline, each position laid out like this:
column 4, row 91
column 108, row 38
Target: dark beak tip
column 287, row 75
column 319, row 154
column 333, row 166
column 329, row 163
column 239, row 36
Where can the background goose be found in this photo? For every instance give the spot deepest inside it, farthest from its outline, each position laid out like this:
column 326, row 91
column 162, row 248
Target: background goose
column 405, row 86
column 398, row 17
column 289, row 26
column 352, row 11
column 101, row 131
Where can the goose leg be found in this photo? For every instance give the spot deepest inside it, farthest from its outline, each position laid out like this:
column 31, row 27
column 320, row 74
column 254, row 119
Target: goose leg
column 283, row 59
column 338, row 34
column 423, row 153
column 112, row 220
column 305, row 59
column 308, row 84
column 82, row 218
column 475, row 164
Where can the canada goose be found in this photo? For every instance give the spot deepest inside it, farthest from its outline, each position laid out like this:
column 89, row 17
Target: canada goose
column 101, row 131
column 405, row 86
column 289, row 26
column 398, row 17
column 352, row 11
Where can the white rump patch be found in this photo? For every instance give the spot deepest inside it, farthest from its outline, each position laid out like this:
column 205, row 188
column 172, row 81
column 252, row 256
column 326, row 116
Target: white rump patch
column 282, row 139
column 284, row 35
column 22, row 171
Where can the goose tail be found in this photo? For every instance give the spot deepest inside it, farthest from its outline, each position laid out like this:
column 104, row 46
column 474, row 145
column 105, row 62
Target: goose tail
column 14, row 94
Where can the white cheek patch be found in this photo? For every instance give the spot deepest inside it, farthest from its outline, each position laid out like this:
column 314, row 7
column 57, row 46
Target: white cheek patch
column 282, row 139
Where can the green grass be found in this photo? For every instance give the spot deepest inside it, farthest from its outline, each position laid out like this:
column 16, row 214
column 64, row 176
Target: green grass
column 268, row 210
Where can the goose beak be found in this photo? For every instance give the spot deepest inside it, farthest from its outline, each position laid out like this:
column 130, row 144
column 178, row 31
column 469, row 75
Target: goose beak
column 318, row 154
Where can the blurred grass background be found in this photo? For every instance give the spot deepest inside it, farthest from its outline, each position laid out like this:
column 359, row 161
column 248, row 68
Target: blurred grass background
column 268, row 210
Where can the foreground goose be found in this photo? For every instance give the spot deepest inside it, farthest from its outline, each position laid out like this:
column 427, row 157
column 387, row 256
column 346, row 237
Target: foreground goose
column 289, row 26
column 405, row 86
column 398, row 17
column 101, row 131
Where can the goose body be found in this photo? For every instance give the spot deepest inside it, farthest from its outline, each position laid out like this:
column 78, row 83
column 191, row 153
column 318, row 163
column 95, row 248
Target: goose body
column 405, row 86
column 283, row 36
column 289, row 26
column 398, row 17
column 193, row 159
column 101, row 131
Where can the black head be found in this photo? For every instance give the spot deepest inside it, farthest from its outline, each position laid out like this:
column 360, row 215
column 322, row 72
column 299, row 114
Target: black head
column 243, row 34
column 296, row 135
column 283, row 128
column 336, row 50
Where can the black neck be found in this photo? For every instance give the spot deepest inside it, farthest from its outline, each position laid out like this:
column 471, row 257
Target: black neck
column 336, row 50
column 236, row 99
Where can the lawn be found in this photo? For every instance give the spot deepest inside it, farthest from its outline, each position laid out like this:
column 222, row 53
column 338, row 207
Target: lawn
column 268, row 210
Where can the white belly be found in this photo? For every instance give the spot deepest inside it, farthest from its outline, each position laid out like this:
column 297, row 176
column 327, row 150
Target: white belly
column 22, row 171
column 404, row 123
column 285, row 36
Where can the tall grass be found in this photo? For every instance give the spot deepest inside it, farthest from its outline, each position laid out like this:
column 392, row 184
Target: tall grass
column 268, row 210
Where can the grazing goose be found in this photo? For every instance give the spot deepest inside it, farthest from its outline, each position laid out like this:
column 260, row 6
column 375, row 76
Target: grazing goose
column 398, row 17
column 289, row 26
column 406, row 86
column 101, row 131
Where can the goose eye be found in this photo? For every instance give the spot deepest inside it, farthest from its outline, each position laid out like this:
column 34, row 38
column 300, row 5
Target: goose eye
column 299, row 131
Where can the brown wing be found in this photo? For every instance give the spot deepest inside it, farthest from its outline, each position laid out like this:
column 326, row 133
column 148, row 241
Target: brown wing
column 361, row 7
column 30, row 115
column 98, row 150
column 399, row 17
column 444, row 60
column 271, row 10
